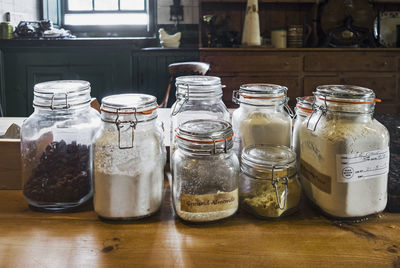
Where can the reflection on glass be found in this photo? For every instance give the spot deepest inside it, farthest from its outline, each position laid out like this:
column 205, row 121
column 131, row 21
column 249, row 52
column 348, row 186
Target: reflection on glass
column 80, row 5
column 106, row 5
column 107, row 19
column 132, row 4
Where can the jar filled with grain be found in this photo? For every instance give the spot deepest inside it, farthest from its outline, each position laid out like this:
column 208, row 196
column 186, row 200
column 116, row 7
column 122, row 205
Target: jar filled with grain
column 263, row 116
column 205, row 171
column 56, row 145
column 344, row 153
column 269, row 186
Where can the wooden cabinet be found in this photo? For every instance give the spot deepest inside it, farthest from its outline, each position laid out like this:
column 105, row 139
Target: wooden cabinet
column 301, row 70
column 110, row 70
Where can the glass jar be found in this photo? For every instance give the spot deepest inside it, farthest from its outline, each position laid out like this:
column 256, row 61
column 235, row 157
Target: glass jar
column 269, row 187
column 392, row 123
column 205, row 171
column 56, row 145
column 344, row 153
column 261, row 117
column 303, row 109
column 197, row 97
column 129, row 158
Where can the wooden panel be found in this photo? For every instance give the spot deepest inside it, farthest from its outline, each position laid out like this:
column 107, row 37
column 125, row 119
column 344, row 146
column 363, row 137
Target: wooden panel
column 251, row 62
column 351, row 62
column 232, row 83
column 311, row 82
column 10, row 164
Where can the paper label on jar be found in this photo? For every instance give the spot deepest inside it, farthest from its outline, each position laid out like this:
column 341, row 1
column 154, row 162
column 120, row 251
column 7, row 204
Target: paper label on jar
column 362, row 166
column 209, row 202
column 319, row 180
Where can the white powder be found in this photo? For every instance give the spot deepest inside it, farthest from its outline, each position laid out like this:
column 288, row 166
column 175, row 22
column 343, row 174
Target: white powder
column 261, row 128
column 128, row 183
column 318, row 151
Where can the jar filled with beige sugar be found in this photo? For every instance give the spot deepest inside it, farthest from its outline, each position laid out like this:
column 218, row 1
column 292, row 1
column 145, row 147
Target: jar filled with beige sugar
column 263, row 116
column 269, row 187
column 344, row 153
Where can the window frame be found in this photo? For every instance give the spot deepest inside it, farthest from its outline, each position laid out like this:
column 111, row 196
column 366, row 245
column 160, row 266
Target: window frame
column 61, row 8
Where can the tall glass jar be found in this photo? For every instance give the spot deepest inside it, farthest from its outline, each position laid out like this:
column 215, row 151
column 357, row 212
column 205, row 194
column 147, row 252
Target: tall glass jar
column 261, row 117
column 344, row 153
column 205, row 171
column 129, row 158
column 269, row 187
column 303, row 109
column 56, row 145
column 197, row 97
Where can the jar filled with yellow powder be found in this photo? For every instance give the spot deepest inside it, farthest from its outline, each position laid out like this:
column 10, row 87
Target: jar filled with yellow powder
column 269, row 187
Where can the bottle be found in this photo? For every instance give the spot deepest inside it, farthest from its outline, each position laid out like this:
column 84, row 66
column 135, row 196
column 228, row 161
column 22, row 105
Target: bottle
column 6, row 28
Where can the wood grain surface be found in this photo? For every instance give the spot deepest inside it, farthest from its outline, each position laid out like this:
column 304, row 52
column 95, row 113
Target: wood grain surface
column 79, row 239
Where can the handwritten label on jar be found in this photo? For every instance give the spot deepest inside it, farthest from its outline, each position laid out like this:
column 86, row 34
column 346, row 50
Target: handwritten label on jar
column 321, row 181
column 362, row 166
column 209, row 202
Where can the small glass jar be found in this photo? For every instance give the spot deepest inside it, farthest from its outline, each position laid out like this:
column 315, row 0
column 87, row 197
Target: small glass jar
column 261, row 117
column 303, row 109
column 344, row 153
column 205, row 171
column 269, row 187
column 56, row 145
column 129, row 158
column 197, row 97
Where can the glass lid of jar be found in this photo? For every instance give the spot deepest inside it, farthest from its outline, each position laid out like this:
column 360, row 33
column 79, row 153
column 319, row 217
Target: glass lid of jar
column 263, row 89
column 141, row 107
column 205, row 135
column 260, row 94
column 269, row 160
column 198, row 86
column 345, row 92
column 198, row 80
column 61, row 94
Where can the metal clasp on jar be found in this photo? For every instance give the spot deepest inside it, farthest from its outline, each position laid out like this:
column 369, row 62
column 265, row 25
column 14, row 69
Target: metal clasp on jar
column 275, row 182
column 315, row 117
column 123, row 127
column 179, row 104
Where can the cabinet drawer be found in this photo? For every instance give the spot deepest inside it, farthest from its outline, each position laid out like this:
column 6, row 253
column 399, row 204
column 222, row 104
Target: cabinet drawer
column 385, row 87
column 335, row 62
column 254, row 62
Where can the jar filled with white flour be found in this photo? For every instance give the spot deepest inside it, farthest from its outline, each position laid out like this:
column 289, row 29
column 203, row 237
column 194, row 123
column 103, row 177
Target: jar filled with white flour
column 344, row 153
column 303, row 109
column 205, row 171
column 263, row 116
column 197, row 97
column 129, row 158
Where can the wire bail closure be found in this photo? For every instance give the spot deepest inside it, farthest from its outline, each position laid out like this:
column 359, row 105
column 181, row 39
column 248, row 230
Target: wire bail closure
column 275, row 182
column 181, row 102
column 55, row 107
column 317, row 112
column 126, row 124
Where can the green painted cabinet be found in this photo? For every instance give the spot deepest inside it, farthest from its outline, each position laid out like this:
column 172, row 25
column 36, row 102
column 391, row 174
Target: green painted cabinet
column 110, row 70
column 105, row 69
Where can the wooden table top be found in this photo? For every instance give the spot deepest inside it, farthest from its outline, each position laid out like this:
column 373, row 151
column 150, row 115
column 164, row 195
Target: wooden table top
column 79, row 239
